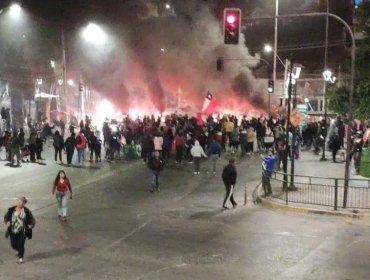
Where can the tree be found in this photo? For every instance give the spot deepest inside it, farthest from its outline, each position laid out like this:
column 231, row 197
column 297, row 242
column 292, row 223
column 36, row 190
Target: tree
column 338, row 98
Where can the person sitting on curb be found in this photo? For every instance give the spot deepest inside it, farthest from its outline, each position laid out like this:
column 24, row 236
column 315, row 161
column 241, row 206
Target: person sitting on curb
column 268, row 163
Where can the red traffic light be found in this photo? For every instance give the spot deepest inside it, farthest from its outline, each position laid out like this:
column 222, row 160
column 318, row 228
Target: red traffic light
column 230, row 19
column 232, row 26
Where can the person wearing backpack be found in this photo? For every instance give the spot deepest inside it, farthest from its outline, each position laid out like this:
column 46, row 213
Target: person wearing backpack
column 81, row 143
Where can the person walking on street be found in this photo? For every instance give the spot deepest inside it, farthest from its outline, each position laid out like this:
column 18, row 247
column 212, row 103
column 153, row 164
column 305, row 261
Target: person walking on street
column 156, row 164
column 62, row 188
column 268, row 163
column 32, row 143
column 70, row 147
column 15, row 146
column 180, row 145
column 81, row 143
column 39, row 147
column 58, row 143
column 197, row 152
column 214, row 153
column 19, row 222
column 229, row 175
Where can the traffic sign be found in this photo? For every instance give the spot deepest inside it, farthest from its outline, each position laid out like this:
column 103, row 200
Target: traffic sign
column 296, row 117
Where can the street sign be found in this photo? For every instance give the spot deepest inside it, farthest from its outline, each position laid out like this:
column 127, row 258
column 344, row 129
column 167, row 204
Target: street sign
column 296, row 117
column 303, row 109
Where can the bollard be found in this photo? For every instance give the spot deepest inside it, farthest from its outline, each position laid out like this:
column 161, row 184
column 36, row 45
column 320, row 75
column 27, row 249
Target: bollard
column 245, row 195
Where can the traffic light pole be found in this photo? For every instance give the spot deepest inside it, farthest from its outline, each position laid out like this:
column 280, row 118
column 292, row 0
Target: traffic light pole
column 351, row 91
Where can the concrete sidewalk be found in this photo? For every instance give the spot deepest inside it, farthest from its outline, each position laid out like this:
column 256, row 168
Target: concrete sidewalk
column 315, row 181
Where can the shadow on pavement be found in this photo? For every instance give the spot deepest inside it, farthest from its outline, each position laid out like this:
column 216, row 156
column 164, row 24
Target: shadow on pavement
column 55, row 253
column 204, row 214
column 80, row 166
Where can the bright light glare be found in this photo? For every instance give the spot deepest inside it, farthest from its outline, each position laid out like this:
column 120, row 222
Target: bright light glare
column 94, row 34
column 230, row 19
column 327, row 75
column 60, row 82
column 306, row 100
column 162, row 49
column 52, row 63
column 133, row 113
column 39, row 81
column 168, row 6
column 15, row 10
column 267, row 48
column 70, row 82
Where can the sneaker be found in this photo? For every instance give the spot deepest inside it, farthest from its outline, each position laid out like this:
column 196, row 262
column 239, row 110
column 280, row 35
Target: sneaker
column 21, row 260
column 195, row 173
column 225, row 207
column 198, row 173
column 236, row 204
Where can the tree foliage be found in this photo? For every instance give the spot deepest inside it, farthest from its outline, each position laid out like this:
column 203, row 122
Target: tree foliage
column 338, row 98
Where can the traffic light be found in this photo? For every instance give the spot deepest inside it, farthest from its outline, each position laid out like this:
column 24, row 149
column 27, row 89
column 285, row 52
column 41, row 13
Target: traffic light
column 232, row 26
column 220, row 64
column 270, row 87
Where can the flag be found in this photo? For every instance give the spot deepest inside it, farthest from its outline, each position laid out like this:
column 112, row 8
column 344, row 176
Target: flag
column 209, row 104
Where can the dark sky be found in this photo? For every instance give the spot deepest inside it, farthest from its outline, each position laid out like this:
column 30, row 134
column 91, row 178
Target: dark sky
column 141, row 38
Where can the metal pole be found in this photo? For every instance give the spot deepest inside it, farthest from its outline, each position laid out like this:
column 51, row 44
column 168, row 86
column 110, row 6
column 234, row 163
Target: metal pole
column 323, row 158
column 291, row 186
column 275, row 38
column 288, row 126
column 65, row 75
column 350, row 99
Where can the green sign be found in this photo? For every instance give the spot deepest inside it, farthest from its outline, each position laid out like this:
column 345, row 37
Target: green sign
column 303, row 109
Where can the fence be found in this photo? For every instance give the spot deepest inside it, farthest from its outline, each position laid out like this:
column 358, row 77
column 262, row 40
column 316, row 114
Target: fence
column 321, row 191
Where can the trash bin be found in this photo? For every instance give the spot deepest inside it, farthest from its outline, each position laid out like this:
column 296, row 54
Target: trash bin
column 365, row 163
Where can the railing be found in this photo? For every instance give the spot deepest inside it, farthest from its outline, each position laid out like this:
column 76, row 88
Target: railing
column 321, row 191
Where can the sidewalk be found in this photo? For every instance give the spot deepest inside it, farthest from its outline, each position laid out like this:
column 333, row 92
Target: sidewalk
column 315, row 189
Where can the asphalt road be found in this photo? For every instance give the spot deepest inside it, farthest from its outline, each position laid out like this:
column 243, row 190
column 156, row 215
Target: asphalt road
column 119, row 230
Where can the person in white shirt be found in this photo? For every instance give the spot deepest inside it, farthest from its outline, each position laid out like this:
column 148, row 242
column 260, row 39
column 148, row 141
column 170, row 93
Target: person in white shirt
column 197, row 152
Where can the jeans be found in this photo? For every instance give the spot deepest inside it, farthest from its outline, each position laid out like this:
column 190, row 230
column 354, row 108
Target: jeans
column 80, row 153
column 179, row 152
column 260, row 142
column 14, row 152
column 62, row 199
column 213, row 162
column 155, row 180
column 266, row 184
column 58, row 151
column 196, row 161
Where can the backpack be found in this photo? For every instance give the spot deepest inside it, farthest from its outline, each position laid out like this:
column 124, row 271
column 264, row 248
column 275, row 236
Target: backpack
column 78, row 140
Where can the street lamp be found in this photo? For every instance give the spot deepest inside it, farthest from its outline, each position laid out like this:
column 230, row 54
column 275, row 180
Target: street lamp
column 95, row 35
column 267, row 48
column 168, row 6
column 70, row 82
column 39, row 81
column 15, row 10
column 327, row 74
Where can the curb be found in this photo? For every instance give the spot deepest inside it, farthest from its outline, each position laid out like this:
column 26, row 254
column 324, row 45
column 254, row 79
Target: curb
column 274, row 205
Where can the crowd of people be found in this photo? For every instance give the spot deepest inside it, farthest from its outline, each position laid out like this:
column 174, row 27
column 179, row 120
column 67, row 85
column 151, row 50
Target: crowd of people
column 188, row 138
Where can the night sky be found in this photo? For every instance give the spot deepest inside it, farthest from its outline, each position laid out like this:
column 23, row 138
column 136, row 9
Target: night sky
column 191, row 37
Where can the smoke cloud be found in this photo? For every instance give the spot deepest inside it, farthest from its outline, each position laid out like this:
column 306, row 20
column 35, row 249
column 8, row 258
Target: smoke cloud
column 167, row 52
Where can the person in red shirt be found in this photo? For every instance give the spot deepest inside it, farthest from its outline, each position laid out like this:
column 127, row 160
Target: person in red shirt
column 62, row 188
column 180, row 144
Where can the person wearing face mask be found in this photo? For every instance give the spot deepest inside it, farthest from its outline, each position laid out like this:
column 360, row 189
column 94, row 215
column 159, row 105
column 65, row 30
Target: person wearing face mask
column 19, row 222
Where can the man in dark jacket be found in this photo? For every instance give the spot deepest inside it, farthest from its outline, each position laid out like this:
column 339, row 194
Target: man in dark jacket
column 58, row 143
column 156, row 165
column 70, row 147
column 15, row 146
column 229, row 175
